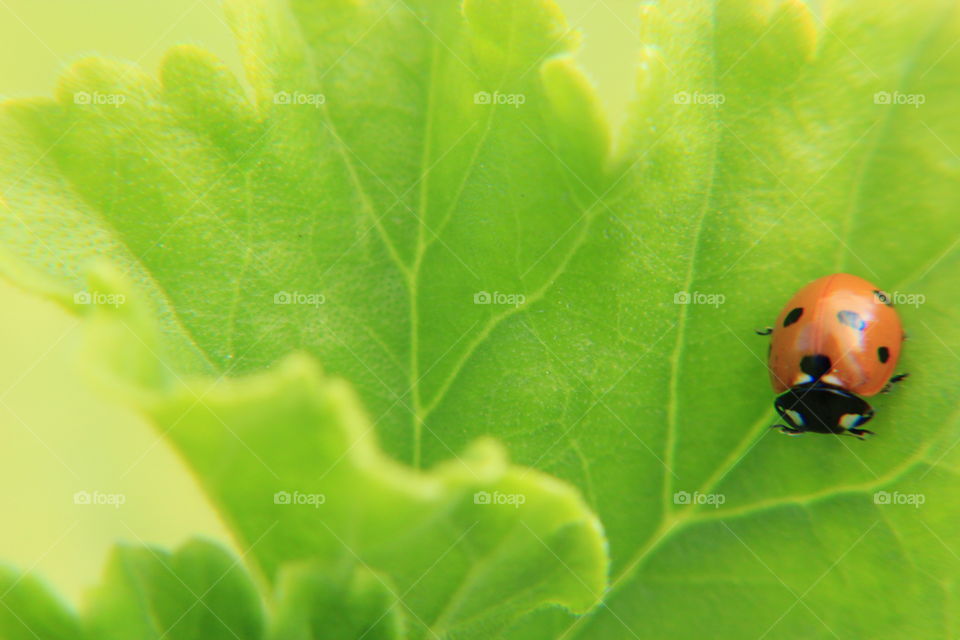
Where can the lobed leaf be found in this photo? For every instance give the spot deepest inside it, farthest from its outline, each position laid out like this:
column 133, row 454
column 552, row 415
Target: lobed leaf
column 421, row 196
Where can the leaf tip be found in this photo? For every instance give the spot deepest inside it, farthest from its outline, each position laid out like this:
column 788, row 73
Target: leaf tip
column 495, row 22
column 95, row 82
column 580, row 118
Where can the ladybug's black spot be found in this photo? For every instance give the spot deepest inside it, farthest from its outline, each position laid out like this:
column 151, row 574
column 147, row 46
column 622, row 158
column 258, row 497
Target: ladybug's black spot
column 883, row 353
column 851, row 319
column 816, row 366
column 882, row 296
column 793, row 316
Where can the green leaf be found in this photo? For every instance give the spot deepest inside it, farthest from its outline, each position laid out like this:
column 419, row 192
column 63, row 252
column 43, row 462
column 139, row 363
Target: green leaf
column 344, row 602
column 801, row 172
column 200, row 591
column 364, row 172
column 29, row 611
column 293, row 462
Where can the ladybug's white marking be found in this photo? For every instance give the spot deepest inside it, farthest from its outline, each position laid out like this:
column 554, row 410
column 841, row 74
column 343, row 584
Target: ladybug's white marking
column 802, row 378
column 832, row 379
column 795, row 416
column 849, row 420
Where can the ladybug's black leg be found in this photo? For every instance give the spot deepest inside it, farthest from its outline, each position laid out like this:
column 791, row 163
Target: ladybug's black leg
column 894, row 380
column 763, row 332
column 790, row 431
column 860, row 433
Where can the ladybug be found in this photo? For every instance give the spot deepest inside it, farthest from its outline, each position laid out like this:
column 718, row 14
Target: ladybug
column 837, row 339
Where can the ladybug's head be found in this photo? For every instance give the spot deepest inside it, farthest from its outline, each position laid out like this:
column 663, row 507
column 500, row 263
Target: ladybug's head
column 823, row 408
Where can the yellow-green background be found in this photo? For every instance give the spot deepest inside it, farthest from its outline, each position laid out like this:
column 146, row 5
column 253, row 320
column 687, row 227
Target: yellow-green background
column 56, row 435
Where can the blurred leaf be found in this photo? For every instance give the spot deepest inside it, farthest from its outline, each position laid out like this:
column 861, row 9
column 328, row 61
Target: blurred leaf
column 350, row 602
column 292, row 461
column 29, row 611
column 198, row 592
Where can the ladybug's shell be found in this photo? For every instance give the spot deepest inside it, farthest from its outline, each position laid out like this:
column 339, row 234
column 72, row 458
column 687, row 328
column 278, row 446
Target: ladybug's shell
column 845, row 319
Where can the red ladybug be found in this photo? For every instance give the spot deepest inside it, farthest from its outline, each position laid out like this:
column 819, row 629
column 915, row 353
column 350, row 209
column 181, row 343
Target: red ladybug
column 838, row 338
